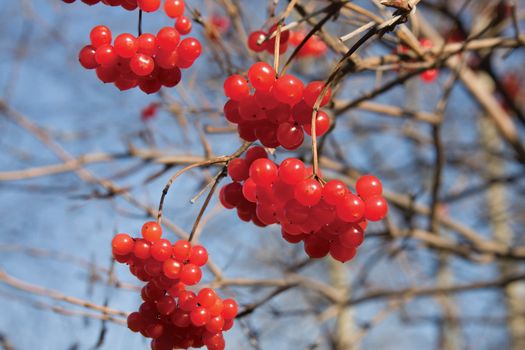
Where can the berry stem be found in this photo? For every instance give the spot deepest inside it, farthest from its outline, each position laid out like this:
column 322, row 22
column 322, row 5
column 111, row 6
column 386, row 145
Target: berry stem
column 140, row 23
column 276, row 52
column 206, row 202
column 217, row 160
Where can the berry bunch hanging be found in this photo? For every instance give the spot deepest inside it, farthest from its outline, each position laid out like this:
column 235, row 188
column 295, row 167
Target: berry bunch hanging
column 278, row 111
column 327, row 216
column 148, row 61
column 173, row 316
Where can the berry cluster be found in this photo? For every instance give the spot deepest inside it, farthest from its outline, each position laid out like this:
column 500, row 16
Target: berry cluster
column 149, row 61
column 313, row 47
column 173, row 8
column 279, row 111
column 429, row 75
column 171, row 315
column 325, row 215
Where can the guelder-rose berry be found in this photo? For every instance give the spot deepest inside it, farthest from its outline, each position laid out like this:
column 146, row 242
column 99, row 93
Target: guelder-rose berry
column 236, row 87
column 122, row 244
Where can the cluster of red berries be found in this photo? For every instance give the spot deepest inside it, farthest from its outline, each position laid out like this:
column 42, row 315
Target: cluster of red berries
column 171, row 315
column 279, row 111
column 325, row 215
column 149, row 61
column 173, row 8
column 313, row 47
column 429, row 75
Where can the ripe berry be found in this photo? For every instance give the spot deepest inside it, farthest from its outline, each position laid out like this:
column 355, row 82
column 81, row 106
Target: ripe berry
column 342, row 253
column 238, row 169
column 253, row 38
column 351, row 208
column 161, row 250
column 189, row 49
column 126, row 45
column 135, row 322
column 199, row 255
column 200, row 316
column 122, row 244
column 86, row 57
column 206, row 297
column 290, row 136
column 254, row 153
column 142, row 249
column 316, row 247
column 141, row 64
column 236, row 87
column 308, row 192
column 322, row 124
column 230, row 309
column 147, row 44
column 174, row 8
column 368, row 186
column 148, row 5
column 352, row 237
column 106, row 56
column 181, row 250
column 288, row 89
column 215, row 324
column 100, row 35
column 166, row 305
column 262, row 76
column 183, row 25
column 334, row 192
column 171, row 268
column 263, row 172
column 291, row 171
column 190, row 274
column 376, row 208
column 151, row 231
column 312, row 92
column 168, row 39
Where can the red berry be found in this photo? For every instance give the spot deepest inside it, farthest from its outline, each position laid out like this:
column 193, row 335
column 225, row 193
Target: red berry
column 190, row 274
column 231, row 112
column 215, row 324
column 254, row 153
column 288, row 89
column 236, row 88
column 368, row 186
column 151, row 231
column 351, row 208
column 166, row 305
column 183, row 25
column 86, row 57
column 100, row 35
column 291, row 171
column 168, row 39
column 352, row 237
column 142, row 249
column 308, row 192
column 322, row 124
column 200, row 316
column 342, row 253
column 189, row 49
column 262, row 76
column 180, row 318
column 253, row 38
column 334, row 192
column 199, row 255
column 230, row 309
column 142, row 65
column 181, row 250
column 376, row 208
column 171, row 268
column 206, row 297
column 148, row 5
column 263, row 172
column 174, row 8
column 161, row 250
column 135, row 322
column 106, row 56
column 290, row 136
column 312, row 92
column 238, row 169
column 249, row 189
column 216, row 308
column 316, row 247
column 126, row 45
column 429, row 75
column 122, row 244
column 147, row 44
